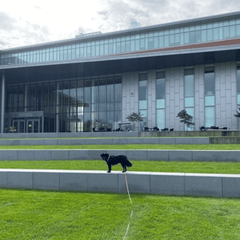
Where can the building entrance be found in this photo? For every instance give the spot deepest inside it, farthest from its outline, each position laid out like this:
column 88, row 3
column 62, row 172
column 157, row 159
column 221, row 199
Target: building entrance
column 19, row 125
column 33, row 125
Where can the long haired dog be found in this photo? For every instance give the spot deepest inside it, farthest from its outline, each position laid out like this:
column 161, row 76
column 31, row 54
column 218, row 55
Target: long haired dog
column 114, row 160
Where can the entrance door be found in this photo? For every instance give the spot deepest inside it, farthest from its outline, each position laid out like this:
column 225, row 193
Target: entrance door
column 33, row 125
column 19, row 126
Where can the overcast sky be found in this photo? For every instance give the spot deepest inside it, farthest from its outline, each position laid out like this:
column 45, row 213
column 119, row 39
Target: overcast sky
column 27, row 22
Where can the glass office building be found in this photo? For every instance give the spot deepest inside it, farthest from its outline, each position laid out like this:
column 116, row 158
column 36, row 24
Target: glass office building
column 93, row 82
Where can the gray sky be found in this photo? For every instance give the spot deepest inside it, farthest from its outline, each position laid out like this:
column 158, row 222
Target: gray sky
column 29, row 22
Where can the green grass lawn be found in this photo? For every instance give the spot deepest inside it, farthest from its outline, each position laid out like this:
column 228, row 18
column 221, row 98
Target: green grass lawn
column 75, row 215
column 133, row 146
column 146, row 166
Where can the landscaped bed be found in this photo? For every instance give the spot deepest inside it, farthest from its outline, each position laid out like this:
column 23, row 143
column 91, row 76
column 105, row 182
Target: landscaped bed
column 146, row 166
column 75, row 215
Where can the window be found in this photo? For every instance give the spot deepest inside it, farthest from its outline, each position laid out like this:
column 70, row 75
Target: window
column 209, row 89
column 160, row 100
column 143, row 98
column 189, row 93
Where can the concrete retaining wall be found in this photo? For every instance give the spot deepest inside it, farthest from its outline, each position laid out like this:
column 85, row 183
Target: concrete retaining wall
column 104, row 141
column 69, row 135
column 224, row 140
column 151, row 155
column 215, row 185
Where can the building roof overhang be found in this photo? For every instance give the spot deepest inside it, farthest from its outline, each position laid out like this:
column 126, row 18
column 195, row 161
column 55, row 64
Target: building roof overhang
column 184, row 56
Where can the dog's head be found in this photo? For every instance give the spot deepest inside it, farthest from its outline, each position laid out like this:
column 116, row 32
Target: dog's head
column 104, row 156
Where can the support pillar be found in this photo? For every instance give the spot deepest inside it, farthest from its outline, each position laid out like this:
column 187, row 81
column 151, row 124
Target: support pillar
column 3, row 104
column 57, row 109
column 25, row 99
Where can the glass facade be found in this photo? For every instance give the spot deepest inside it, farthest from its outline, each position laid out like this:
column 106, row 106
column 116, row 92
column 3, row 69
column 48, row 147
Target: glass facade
column 130, row 42
column 79, row 104
column 160, row 100
column 189, row 94
column 209, row 90
column 143, row 99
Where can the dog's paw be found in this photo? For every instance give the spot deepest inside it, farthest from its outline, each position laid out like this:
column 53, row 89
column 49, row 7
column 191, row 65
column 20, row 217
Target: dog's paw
column 108, row 171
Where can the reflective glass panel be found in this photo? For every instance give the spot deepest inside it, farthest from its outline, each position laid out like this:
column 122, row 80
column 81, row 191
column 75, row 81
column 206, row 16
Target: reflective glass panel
column 161, row 118
column 209, row 100
column 160, row 91
column 142, row 90
column 238, row 99
column 209, row 116
column 190, row 111
column 189, row 102
column 238, row 80
column 189, row 85
column 160, row 103
column 143, row 104
column 209, row 83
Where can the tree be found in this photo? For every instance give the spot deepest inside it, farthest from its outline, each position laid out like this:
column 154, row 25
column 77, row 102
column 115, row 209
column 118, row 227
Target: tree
column 185, row 118
column 237, row 113
column 135, row 117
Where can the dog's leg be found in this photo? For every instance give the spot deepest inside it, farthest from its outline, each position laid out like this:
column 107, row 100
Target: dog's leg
column 124, row 168
column 109, row 168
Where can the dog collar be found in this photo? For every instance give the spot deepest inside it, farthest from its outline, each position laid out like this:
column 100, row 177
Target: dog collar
column 108, row 158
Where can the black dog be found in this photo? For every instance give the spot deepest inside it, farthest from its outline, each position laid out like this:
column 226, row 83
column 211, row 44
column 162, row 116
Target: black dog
column 114, row 160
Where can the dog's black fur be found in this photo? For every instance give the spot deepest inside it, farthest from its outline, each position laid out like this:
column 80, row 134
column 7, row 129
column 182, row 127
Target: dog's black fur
column 114, row 160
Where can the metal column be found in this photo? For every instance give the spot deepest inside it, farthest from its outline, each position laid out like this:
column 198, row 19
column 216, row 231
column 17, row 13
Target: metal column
column 3, row 104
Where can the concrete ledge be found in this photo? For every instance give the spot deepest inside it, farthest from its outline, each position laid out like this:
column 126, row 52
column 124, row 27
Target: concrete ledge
column 147, row 155
column 214, row 185
column 69, row 135
column 105, row 141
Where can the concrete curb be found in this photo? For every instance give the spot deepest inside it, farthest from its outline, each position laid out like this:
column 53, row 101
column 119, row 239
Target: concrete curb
column 214, row 185
column 147, row 155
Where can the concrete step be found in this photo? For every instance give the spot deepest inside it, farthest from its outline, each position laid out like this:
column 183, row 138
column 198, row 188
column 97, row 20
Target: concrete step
column 150, row 155
column 214, row 185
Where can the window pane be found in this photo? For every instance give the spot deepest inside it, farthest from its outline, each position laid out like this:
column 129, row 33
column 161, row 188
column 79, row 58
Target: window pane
column 209, row 35
column 232, row 31
column 209, row 116
column 143, row 104
column 204, row 35
column 189, row 102
column 209, row 83
column 186, row 38
column 142, row 90
column 150, row 43
column 118, row 92
column 198, row 37
column 192, row 37
column 189, row 86
column 190, row 111
column 166, row 41
column 209, row 100
column 226, row 32
column 160, row 91
column 238, row 99
column 215, row 34
column 161, row 118
column 238, row 81
column 144, row 113
column 160, row 103
column 238, row 31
